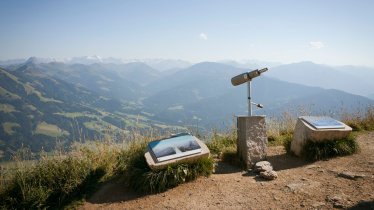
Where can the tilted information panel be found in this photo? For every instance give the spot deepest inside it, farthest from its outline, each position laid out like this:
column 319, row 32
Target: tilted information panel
column 174, row 147
column 323, row 122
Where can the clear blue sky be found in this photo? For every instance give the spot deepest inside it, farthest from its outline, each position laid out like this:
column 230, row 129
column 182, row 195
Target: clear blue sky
column 324, row 31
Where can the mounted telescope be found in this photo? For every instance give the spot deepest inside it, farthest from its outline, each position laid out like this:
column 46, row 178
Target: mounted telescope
column 247, row 78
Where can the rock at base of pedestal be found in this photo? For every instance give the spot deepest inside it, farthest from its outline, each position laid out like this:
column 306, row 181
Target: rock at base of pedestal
column 252, row 139
column 265, row 170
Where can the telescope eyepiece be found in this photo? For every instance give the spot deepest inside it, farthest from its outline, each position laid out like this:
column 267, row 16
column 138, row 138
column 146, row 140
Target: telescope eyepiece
column 263, row 70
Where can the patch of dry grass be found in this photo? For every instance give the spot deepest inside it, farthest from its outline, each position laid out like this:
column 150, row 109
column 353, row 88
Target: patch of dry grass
column 360, row 120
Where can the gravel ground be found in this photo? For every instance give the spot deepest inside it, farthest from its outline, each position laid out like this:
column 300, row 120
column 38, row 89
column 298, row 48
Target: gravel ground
column 343, row 182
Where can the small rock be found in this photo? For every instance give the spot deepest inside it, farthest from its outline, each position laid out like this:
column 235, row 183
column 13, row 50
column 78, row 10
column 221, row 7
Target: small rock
column 335, row 198
column 312, row 166
column 337, row 201
column 263, row 166
column 318, row 204
column 295, row 186
column 338, row 205
column 350, row 175
column 270, row 175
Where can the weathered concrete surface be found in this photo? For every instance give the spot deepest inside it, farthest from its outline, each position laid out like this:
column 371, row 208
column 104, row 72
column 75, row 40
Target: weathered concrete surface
column 263, row 166
column 252, row 139
column 265, row 170
column 154, row 165
column 305, row 132
column 269, row 175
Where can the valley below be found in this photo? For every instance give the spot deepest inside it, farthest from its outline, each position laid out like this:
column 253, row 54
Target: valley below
column 49, row 105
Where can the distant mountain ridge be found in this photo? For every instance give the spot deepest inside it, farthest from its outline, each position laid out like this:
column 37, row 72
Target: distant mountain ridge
column 356, row 80
column 38, row 109
column 158, row 64
column 204, row 93
column 41, row 102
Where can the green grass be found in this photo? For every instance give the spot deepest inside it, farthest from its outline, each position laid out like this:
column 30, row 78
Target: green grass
column 7, row 108
column 9, row 127
column 49, row 183
column 223, row 146
column 7, row 94
column 31, row 90
column 360, row 121
column 57, row 181
column 77, row 115
column 314, row 151
column 219, row 143
column 280, row 139
column 280, row 130
column 44, row 128
column 11, row 76
column 31, row 107
column 61, row 180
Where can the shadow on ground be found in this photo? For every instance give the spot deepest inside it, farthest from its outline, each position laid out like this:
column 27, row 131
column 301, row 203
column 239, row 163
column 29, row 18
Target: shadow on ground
column 367, row 205
column 284, row 161
column 226, row 168
column 279, row 162
column 114, row 191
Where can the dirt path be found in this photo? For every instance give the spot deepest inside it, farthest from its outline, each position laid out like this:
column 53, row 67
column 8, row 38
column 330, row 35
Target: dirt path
column 300, row 185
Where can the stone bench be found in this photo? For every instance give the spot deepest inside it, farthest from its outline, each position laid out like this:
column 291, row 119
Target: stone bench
column 304, row 132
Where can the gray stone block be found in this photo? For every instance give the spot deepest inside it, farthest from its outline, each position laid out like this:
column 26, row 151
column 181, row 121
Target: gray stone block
column 305, row 132
column 252, row 139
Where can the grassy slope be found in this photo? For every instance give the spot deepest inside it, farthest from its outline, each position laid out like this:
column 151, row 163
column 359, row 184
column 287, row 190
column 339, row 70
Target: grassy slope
column 58, row 180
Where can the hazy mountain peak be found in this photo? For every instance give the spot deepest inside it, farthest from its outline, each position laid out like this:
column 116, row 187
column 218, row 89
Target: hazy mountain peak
column 31, row 60
column 85, row 59
column 38, row 60
column 162, row 64
column 211, row 65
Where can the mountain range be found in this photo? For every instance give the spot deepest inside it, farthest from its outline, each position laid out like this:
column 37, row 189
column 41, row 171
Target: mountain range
column 46, row 103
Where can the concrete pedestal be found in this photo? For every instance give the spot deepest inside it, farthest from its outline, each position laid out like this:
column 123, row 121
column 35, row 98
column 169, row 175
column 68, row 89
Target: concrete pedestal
column 252, row 139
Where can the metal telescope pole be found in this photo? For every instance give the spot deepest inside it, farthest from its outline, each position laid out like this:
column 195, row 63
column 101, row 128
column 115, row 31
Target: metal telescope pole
column 249, row 98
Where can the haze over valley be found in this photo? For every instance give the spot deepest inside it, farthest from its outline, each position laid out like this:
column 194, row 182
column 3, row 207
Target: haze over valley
column 44, row 102
column 93, row 70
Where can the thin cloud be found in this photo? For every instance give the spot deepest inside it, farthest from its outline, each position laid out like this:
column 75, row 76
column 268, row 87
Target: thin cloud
column 316, row 45
column 203, row 36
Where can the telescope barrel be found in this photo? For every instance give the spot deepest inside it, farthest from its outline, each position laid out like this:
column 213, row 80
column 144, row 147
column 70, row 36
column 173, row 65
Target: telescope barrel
column 240, row 79
column 247, row 76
